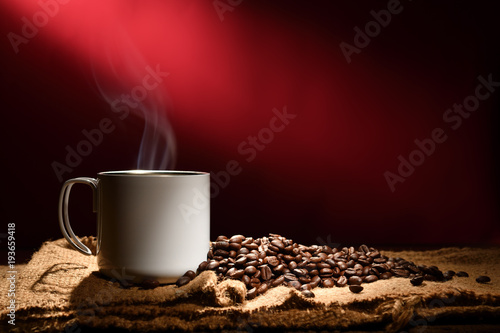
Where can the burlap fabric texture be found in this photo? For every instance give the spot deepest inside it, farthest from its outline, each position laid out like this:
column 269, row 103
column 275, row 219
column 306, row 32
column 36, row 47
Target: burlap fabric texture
column 59, row 290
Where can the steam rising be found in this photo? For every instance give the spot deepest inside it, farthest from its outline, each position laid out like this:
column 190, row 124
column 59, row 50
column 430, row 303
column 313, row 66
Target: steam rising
column 132, row 87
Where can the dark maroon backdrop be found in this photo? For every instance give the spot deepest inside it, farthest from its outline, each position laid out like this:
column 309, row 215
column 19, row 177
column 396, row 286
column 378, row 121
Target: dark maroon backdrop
column 320, row 179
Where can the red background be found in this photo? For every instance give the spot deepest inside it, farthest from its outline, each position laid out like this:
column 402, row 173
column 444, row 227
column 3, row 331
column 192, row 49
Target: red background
column 322, row 177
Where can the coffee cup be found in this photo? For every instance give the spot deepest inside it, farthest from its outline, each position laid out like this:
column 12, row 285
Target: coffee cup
column 150, row 224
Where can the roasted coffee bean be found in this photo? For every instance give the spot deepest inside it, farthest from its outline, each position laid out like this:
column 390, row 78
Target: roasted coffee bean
column 307, row 293
column 304, row 279
column 292, row 265
column 355, row 280
column 483, row 279
column 251, row 263
column 326, row 271
column 266, row 273
column 243, row 250
column 252, row 246
column 299, row 272
column 450, row 273
column 294, row 284
column 315, row 259
column 429, row 277
column 250, row 270
column 306, row 287
column 400, row 272
column 252, row 257
column 213, row 264
column 355, row 288
column 246, row 279
column 342, row 265
column 233, row 254
column 273, row 261
column 238, row 274
column 385, row 275
column 342, row 281
column 363, row 248
column 417, row 281
column 202, row 266
column 462, row 274
column 370, row 278
column 241, row 261
column 290, row 277
column 279, row 244
column 327, row 283
column 246, row 241
column 331, row 262
column 349, row 272
column 320, row 265
column 365, row 271
column 221, row 245
column 152, row 283
column 254, row 283
column 221, row 238
column 236, row 239
column 262, row 289
column 183, row 280
column 315, row 281
column 190, row 274
column 279, row 268
column 447, row 275
column 252, row 293
column 288, row 257
column 234, row 246
column 278, row 281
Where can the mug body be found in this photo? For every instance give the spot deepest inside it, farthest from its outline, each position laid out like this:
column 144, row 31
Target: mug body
column 152, row 224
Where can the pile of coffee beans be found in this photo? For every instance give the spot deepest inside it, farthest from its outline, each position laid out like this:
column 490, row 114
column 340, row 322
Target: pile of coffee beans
column 273, row 261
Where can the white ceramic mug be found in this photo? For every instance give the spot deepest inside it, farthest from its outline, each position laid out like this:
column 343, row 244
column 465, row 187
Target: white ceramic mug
column 150, row 224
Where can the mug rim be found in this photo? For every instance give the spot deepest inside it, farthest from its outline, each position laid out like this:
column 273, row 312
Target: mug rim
column 152, row 173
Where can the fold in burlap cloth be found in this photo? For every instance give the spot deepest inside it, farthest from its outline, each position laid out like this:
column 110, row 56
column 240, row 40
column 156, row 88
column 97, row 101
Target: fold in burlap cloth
column 59, row 291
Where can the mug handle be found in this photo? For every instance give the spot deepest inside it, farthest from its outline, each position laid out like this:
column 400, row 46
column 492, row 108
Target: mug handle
column 63, row 211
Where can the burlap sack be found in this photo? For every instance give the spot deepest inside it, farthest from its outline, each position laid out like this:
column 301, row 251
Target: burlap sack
column 59, row 290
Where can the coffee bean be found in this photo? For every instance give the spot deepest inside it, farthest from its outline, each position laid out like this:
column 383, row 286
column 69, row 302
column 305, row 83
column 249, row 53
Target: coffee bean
column 250, row 270
column 246, row 279
column 221, row 245
column 278, row 281
column 236, row 239
column 279, row 244
column 483, row 279
column 319, row 265
column 385, row 275
column 221, row 238
column 251, row 263
column 400, row 272
column 299, row 272
column 417, row 281
column 246, row 241
column 290, row 277
column 304, row 279
column 447, row 275
column 238, row 274
column 327, row 283
column 292, row 265
column 342, row 281
column 252, row 246
column 462, row 274
column 307, row 293
column 355, row 280
column 234, row 246
column 294, row 284
column 342, row 265
column 363, row 248
column 213, row 264
column 370, row 278
column 266, row 273
column 152, row 283
column 254, row 283
column 355, row 288
column 306, row 287
column 202, row 266
column 183, row 280
column 262, row 289
column 252, row 293
column 273, row 261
